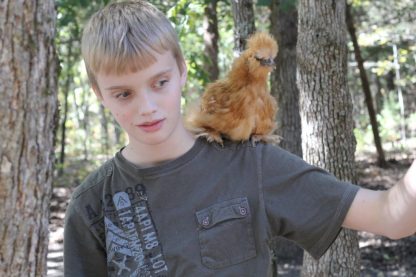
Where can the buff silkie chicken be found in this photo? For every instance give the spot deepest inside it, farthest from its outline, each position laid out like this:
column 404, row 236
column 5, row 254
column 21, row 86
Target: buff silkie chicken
column 240, row 106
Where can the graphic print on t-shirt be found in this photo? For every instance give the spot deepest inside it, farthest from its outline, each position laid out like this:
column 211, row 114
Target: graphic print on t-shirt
column 133, row 248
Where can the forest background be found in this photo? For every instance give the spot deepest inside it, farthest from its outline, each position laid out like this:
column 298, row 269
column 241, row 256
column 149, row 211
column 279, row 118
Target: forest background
column 385, row 36
column 381, row 71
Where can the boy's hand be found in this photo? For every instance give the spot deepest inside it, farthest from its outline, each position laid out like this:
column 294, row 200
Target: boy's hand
column 390, row 213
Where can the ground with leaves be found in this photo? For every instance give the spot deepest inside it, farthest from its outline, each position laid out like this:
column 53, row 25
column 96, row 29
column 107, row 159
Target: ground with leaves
column 380, row 257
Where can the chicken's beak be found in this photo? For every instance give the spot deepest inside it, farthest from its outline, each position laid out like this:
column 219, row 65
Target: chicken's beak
column 266, row 62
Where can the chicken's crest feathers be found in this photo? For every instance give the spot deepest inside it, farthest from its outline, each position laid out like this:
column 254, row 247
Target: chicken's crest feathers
column 262, row 45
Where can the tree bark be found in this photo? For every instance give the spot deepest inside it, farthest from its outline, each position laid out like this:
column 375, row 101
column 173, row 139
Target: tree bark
column 283, row 86
column 379, row 95
column 117, row 132
column 243, row 15
column 211, row 39
column 326, row 114
column 68, row 80
column 283, row 79
column 381, row 160
column 28, row 105
column 105, row 136
column 82, row 108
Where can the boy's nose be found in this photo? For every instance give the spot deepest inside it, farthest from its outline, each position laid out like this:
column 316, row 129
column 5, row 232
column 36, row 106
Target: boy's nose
column 147, row 105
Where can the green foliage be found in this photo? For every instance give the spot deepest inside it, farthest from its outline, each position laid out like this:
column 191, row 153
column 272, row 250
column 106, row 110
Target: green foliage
column 382, row 25
column 411, row 123
column 389, row 120
column 187, row 17
column 288, row 5
column 364, row 138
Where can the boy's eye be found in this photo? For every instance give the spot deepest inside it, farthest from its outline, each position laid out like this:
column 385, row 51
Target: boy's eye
column 123, row 95
column 161, row 83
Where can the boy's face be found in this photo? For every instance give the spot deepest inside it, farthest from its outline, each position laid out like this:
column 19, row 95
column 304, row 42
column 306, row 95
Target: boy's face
column 146, row 103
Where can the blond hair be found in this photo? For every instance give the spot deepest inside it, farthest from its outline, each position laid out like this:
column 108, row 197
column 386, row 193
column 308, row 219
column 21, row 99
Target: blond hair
column 124, row 36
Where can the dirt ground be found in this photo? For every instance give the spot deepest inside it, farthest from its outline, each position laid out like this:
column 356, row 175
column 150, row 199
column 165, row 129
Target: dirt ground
column 380, row 257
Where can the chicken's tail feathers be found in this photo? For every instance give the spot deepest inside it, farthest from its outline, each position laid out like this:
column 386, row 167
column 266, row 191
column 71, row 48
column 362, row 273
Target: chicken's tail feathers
column 196, row 122
column 195, row 118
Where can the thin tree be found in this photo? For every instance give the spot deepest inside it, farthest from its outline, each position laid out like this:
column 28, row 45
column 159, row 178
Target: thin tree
column 69, row 63
column 283, row 27
column 326, row 114
column 283, row 19
column 381, row 161
column 81, row 107
column 244, row 26
column 28, row 105
column 211, row 37
column 105, row 136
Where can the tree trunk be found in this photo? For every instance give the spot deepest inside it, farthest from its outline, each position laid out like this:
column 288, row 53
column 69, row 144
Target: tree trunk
column 28, row 105
column 399, row 95
column 243, row 15
column 117, row 132
column 68, row 79
column 86, row 125
column 63, row 132
column 391, row 86
column 83, row 108
column 105, row 137
column 283, row 86
column 326, row 114
column 211, row 40
column 366, row 88
column 283, row 79
column 379, row 95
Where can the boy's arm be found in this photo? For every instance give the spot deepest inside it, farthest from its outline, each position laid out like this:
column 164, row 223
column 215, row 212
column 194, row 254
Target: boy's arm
column 390, row 213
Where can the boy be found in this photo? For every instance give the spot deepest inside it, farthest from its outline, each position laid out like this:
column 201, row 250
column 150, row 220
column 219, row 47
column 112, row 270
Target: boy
column 170, row 205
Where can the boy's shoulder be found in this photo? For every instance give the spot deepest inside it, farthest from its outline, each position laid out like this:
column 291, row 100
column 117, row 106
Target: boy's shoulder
column 262, row 149
column 94, row 181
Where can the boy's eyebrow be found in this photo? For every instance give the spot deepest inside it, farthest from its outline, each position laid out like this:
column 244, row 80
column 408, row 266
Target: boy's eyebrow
column 153, row 77
column 162, row 73
column 116, row 87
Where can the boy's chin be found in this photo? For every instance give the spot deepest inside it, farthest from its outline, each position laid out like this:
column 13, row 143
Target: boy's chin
column 150, row 140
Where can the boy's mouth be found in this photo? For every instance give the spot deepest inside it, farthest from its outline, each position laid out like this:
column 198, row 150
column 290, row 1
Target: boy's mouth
column 151, row 126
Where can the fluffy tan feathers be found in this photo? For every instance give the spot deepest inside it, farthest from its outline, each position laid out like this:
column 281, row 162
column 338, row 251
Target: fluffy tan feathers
column 240, row 107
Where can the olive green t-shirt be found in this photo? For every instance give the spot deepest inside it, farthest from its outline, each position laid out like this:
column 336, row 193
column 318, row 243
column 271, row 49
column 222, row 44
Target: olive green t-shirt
column 209, row 212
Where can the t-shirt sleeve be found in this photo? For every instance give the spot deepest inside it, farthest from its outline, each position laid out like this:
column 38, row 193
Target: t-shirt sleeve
column 303, row 203
column 84, row 255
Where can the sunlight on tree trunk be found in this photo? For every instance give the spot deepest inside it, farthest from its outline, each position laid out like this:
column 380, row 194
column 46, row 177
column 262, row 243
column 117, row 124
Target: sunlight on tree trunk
column 28, row 105
column 326, row 113
column 399, row 95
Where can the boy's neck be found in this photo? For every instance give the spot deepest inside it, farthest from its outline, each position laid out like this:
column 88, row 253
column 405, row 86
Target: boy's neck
column 145, row 156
